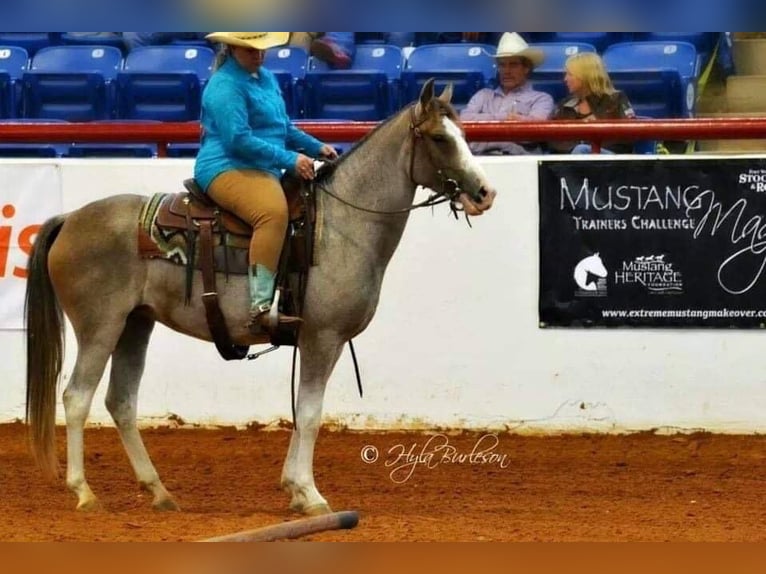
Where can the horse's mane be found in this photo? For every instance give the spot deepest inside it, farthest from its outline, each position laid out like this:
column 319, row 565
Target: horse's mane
column 324, row 174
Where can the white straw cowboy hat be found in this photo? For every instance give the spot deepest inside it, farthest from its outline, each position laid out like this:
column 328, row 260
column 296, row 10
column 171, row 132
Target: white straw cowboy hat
column 512, row 45
column 257, row 40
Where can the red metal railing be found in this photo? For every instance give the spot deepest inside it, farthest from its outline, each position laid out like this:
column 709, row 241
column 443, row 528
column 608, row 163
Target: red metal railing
column 595, row 132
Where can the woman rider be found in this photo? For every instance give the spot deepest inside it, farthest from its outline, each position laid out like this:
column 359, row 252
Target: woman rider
column 247, row 142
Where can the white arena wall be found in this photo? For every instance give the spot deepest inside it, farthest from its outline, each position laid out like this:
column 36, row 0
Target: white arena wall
column 456, row 341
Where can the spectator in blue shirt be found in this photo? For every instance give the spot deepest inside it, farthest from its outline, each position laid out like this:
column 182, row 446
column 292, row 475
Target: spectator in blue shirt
column 247, row 142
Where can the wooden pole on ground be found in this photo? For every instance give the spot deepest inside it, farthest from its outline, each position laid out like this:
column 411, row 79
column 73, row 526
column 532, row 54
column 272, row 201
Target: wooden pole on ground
column 294, row 529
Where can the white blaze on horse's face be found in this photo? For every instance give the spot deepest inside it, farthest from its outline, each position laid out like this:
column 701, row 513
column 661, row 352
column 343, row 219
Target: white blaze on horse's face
column 473, row 178
column 468, row 163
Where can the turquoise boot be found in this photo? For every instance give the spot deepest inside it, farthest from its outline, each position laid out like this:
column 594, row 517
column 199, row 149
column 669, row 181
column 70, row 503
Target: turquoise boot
column 261, row 281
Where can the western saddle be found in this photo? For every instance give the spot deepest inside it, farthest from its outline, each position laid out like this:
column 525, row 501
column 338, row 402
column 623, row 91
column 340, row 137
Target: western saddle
column 218, row 241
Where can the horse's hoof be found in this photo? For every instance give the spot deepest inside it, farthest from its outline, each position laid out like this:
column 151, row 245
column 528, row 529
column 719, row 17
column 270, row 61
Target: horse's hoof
column 166, row 505
column 317, row 510
column 90, row 505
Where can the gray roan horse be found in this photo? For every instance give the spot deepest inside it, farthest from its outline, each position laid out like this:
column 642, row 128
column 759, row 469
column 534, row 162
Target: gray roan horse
column 115, row 297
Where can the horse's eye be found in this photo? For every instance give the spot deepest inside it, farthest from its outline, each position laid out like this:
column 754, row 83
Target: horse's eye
column 438, row 138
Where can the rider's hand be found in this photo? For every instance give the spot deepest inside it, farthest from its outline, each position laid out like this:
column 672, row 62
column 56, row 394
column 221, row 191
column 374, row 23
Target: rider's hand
column 328, row 152
column 304, row 167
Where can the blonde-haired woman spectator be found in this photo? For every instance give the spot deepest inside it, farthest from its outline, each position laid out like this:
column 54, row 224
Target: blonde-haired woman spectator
column 591, row 97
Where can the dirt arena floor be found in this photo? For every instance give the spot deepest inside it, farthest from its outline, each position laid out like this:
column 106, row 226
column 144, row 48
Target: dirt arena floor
column 592, row 487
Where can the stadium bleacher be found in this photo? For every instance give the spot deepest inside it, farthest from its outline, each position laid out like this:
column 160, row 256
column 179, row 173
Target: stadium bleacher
column 163, row 82
column 73, row 83
column 289, row 65
column 469, row 67
column 703, row 42
column 368, row 91
column 87, row 39
column 30, row 41
column 599, row 40
column 658, row 77
column 14, row 61
column 70, row 78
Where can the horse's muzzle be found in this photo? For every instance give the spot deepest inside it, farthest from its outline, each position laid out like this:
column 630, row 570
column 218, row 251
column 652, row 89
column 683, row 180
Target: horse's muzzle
column 478, row 203
column 486, row 198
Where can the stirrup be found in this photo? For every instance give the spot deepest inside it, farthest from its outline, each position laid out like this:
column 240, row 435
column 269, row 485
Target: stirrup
column 261, row 320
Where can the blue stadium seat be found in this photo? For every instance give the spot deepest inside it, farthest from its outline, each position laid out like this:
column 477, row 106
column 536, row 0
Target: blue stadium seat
column 659, row 78
column 368, row 91
column 469, row 67
column 600, row 40
column 72, row 83
column 30, row 41
column 190, row 42
column 13, row 63
column 107, row 149
column 93, row 40
column 429, row 38
column 557, row 53
column 164, row 82
column 549, row 76
column 704, row 42
column 34, row 150
column 400, row 39
column 370, row 38
column 289, row 66
column 537, row 37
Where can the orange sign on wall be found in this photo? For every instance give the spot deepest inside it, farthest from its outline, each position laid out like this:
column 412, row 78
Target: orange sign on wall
column 29, row 194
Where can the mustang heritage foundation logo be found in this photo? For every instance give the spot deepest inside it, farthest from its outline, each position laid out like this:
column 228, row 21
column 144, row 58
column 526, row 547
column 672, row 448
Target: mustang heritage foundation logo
column 653, row 272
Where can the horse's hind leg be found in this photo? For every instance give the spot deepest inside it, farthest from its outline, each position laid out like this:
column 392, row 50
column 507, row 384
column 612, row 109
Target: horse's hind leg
column 122, row 399
column 95, row 346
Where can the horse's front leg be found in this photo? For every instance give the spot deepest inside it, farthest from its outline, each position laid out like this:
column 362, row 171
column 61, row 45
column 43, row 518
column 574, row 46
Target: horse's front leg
column 319, row 353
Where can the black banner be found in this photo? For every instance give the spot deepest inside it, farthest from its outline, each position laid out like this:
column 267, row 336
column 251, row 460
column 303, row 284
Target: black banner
column 660, row 243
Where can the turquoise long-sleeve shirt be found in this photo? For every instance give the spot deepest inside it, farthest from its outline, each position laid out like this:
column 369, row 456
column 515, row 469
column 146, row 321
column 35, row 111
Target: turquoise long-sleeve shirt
column 245, row 126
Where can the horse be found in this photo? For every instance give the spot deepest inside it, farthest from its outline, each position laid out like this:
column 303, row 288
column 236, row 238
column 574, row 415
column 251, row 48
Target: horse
column 115, row 297
column 589, row 266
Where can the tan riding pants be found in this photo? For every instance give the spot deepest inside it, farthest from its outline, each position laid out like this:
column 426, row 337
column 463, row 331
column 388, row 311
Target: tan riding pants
column 257, row 198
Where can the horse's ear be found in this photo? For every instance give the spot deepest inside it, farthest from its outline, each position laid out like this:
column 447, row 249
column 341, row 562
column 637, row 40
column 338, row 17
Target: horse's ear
column 427, row 93
column 446, row 95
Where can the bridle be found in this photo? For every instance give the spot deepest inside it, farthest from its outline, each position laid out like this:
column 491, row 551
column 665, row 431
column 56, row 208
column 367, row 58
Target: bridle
column 450, row 187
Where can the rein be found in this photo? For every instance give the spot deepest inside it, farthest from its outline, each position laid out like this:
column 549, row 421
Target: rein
column 450, row 191
column 435, row 199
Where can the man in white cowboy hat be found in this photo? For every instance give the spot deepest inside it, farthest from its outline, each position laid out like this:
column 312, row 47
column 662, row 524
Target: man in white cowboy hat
column 514, row 99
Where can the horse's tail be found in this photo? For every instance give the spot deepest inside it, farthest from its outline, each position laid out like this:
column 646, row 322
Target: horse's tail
column 45, row 350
